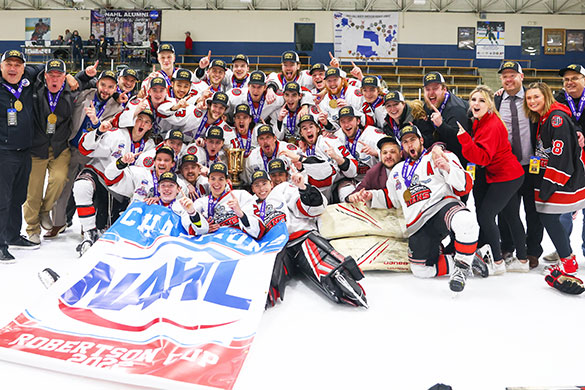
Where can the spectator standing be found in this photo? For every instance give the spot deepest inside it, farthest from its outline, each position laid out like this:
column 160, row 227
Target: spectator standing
column 188, row 45
column 77, row 49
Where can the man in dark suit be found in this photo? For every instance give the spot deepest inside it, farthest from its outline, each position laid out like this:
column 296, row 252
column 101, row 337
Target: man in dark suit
column 376, row 177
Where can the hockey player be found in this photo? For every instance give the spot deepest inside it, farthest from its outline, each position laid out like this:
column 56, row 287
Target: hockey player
column 360, row 142
column 427, row 186
column 240, row 71
column 291, row 71
column 373, row 105
column 127, row 79
column 255, row 96
column 325, row 159
column 317, row 73
column 289, row 113
column 174, row 140
column 299, row 205
column 339, row 94
column 212, row 149
column 269, row 148
column 245, row 130
column 278, row 171
column 214, row 79
column 90, row 189
column 227, row 207
column 181, row 86
column 190, row 171
column 166, row 59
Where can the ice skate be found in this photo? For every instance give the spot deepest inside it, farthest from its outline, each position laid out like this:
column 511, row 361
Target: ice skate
column 48, row 277
column 89, row 238
column 481, row 259
column 458, row 276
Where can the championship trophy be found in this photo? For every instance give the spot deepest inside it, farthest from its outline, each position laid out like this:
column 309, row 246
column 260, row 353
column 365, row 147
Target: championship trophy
column 235, row 157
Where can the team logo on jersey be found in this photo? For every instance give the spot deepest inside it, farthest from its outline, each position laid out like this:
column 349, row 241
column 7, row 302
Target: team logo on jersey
column 279, row 93
column 556, row 121
column 236, row 91
column 198, row 114
column 378, row 131
column 291, row 147
column 358, row 93
column 226, row 128
column 192, row 150
column 314, row 109
column 148, row 162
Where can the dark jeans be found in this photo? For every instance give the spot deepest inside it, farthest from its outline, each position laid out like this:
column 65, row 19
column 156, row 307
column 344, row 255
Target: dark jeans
column 534, row 228
column 557, row 233
column 16, row 166
column 567, row 222
column 493, row 199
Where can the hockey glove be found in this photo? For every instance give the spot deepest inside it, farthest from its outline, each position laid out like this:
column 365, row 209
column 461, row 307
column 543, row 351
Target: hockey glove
column 564, row 282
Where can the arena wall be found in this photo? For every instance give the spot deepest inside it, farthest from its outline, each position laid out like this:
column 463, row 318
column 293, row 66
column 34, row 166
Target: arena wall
column 429, row 35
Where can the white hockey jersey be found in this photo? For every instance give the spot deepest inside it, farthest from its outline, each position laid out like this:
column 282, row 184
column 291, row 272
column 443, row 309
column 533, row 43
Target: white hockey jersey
column 192, row 228
column 161, row 125
column 430, row 190
column 352, row 96
column 103, row 149
column 369, row 136
column 203, row 157
column 260, row 110
column 375, row 113
column 277, row 78
column 258, row 161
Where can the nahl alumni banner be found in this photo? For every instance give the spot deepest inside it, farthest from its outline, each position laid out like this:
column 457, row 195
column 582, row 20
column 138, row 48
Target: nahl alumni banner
column 152, row 306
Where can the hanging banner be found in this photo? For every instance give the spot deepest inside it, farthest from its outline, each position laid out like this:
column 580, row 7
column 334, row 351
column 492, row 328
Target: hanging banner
column 366, row 36
column 152, row 306
column 489, row 40
column 130, row 26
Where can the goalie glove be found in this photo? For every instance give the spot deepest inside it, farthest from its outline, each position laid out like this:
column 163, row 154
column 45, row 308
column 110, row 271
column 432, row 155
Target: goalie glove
column 564, row 282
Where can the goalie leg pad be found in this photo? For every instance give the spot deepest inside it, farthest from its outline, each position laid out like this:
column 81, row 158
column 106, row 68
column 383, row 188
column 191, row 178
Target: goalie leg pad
column 329, row 270
column 281, row 274
column 564, row 282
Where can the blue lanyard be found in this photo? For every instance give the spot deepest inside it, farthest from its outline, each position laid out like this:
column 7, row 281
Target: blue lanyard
column 352, row 146
column 212, row 202
column 407, row 176
column 579, row 111
column 256, row 112
column 53, row 103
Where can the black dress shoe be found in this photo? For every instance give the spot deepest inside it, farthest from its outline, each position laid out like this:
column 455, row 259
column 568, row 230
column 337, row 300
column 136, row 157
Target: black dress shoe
column 22, row 243
column 6, row 257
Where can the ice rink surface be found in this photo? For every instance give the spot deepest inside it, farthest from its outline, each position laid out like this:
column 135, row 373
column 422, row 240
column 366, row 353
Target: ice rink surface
column 508, row 330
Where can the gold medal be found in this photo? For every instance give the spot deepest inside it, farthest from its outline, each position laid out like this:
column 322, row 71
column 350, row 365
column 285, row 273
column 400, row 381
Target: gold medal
column 18, row 105
column 333, row 103
column 52, row 118
column 407, row 195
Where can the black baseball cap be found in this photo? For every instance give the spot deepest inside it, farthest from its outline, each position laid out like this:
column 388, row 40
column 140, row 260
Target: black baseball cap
column 370, row 81
column 214, row 132
column 433, row 77
column 147, row 111
column 218, row 167
column 129, row 72
column 257, row 175
column 58, row 65
column 385, row 140
column 306, row 118
column 410, row 129
column 219, row 98
column 264, row 129
column 346, row 111
column 13, row 54
column 189, row 158
column 182, row 74
column 240, row 57
column 167, row 150
column 276, row 165
column 318, row 66
column 574, row 67
column 393, row 96
column 292, row 86
column 175, row 134
column 290, row 56
column 243, row 108
column 333, row 72
column 510, row 65
column 166, row 47
column 168, row 176
column 218, row 64
column 109, row 74
column 257, row 77
column 158, row 81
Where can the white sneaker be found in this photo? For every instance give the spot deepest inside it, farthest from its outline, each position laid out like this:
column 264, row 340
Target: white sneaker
column 551, row 257
column 35, row 238
column 46, row 222
column 517, row 266
column 498, row 269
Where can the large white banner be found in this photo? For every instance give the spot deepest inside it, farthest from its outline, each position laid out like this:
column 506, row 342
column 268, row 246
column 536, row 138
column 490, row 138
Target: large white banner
column 489, row 40
column 152, row 306
column 366, row 35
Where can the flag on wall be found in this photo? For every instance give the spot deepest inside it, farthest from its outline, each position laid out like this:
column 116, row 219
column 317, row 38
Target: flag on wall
column 151, row 306
column 366, row 36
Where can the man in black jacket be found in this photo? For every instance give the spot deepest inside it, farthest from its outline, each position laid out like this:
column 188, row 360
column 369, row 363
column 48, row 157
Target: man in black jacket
column 53, row 103
column 444, row 110
column 16, row 134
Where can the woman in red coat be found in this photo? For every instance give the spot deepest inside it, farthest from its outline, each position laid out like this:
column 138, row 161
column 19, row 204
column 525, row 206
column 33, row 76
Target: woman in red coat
column 488, row 146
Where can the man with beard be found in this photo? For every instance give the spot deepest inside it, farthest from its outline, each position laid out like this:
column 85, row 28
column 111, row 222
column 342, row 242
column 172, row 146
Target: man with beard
column 245, row 130
column 286, row 118
column 269, row 148
column 291, row 71
column 190, row 171
column 90, row 108
column 339, row 94
column 90, row 189
column 427, row 186
column 377, row 176
column 444, row 110
column 166, row 59
column 299, row 205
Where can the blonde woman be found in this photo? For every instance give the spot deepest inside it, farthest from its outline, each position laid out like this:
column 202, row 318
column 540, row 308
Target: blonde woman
column 488, row 146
